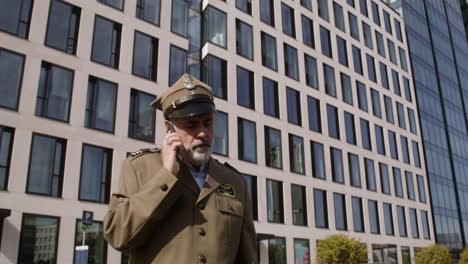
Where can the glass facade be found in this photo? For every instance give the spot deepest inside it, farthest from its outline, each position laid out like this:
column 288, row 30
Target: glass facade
column 439, row 60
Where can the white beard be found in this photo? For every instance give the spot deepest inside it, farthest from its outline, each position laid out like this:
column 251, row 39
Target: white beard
column 196, row 156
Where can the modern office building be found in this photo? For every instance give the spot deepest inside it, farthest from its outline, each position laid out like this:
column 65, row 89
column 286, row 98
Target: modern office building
column 316, row 108
column 439, row 57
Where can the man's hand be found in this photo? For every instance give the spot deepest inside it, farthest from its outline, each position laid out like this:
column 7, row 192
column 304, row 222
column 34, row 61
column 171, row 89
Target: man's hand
column 170, row 146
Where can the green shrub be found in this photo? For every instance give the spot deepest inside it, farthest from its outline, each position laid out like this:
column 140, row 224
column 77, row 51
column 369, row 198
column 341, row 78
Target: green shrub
column 341, row 249
column 464, row 257
column 435, row 254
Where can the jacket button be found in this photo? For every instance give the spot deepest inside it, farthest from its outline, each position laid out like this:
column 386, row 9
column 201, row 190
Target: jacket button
column 202, row 232
column 201, row 206
column 164, row 187
column 202, row 259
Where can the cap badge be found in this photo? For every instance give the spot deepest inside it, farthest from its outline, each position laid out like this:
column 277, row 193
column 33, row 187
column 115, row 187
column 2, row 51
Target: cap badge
column 188, row 83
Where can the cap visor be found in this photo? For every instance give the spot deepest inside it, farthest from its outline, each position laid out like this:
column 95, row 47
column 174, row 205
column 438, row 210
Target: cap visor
column 192, row 109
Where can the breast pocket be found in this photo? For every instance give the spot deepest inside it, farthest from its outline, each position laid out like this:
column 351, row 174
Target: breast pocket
column 229, row 219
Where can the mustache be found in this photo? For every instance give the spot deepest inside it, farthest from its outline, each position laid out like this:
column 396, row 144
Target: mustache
column 201, row 143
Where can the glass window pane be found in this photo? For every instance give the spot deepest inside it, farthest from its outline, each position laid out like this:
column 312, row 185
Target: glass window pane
column 384, row 178
column 354, row 170
column 142, row 116
column 106, row 42
column 339, row 16
column 245, row 88
column 274, row 201
column 267, row 14
column 374, row 217
column 346, row 89
column 318, row 160
column 380, row 43
column 244, row 39
column 410, row 185
column 97, row 246
column 329, row 77
column 63, row 26
column 320, row 206
column 367, row 35
column 15, row 17
column 294, row 106
column 114, row 3
column 149, row 10
column 357, row 60
column 311, row 71
column 277, row 250
column 290, row 62
column 221, row 138
column 145, row 56
column 375, row 13
column 384, row 75
column 389, row 109
column 350, row 128
column 11, row 74
column 214, row 73
column 333, row 125
column 299, row 205
column 393, row 145
column 425, row 224
column 365, row 134
column 6, row 144
column 340, row 211
column 323, row 9
column 296, row 154
column 301, row 250
column 39, row 239
column 371, row 68
column 269, row 57
column 100, row 104
column 270, row 98
column 358, row 215
column 179, row 17
column 308, row 31
column 247, row 140
column 353, row 26
column 252, row 188
column 287, row 17
column 96, row 171
column 315, row 120
column 273, row 150
column 370, row 175
column 388, row 216
column 398, row 182
column 342, row 51
column 46, row 165
column 244, row 5
column 414, row 223
column 177, row 64
column 215, row 26
column 337, row 165
column 401, row 221
column 421, row 188
column 376, row 108
column 326, row 42
column 379, row 137
column 54, row 92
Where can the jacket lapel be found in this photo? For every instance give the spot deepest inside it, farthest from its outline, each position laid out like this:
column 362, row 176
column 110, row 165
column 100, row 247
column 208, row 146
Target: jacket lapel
column 212, row 180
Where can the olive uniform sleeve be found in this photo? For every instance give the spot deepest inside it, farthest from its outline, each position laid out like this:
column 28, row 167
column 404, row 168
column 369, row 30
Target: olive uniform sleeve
column 134, row 210
column 247, row 253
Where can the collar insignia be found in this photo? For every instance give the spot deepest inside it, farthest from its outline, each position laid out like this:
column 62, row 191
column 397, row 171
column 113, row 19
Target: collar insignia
column 226, row 189
column 188, row 83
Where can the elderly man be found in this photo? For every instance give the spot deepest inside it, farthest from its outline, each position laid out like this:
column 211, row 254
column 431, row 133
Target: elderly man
column 177, row 205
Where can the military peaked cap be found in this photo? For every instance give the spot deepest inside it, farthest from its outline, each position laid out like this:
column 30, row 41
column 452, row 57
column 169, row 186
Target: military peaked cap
column 186, row 97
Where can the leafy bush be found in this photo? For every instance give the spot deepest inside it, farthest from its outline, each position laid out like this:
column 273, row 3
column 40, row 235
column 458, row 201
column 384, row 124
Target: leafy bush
column 435, row 254
column 464, row 257
column 341, row 249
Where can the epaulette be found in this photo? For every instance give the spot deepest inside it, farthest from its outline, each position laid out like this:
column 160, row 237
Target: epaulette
column 231, row 167
column 143, row 151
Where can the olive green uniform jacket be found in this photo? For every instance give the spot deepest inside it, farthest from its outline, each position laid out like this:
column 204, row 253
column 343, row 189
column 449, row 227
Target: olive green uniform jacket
column 161, row 218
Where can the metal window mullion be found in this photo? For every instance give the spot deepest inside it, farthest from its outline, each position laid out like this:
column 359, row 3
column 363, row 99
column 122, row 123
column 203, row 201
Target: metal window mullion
column 71, row 39
column 53, row 167
column 45, row 106
column 19, row 18
column 94, row 102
